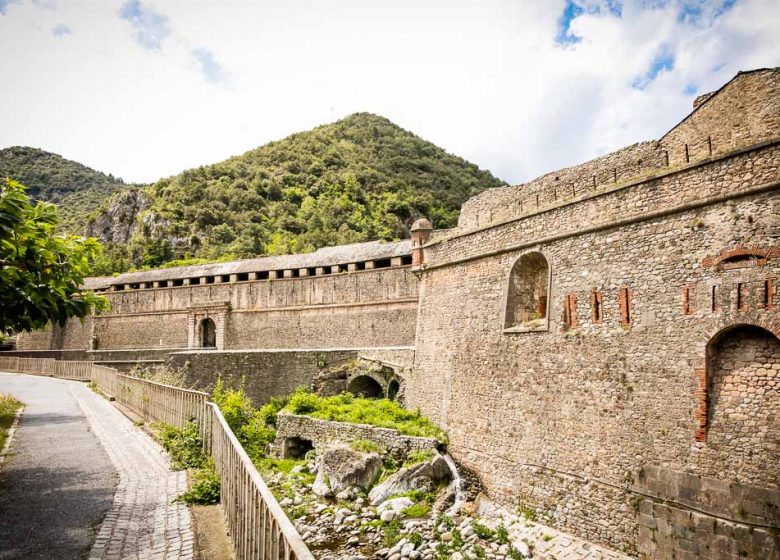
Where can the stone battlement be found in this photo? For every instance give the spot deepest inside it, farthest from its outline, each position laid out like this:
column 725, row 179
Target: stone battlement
column 751, row 109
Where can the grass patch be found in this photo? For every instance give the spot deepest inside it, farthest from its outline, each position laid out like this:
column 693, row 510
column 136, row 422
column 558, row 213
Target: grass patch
column 366, row 446
column 8, row 408
column 375, row 412
column 420, row 509
column 421, row 456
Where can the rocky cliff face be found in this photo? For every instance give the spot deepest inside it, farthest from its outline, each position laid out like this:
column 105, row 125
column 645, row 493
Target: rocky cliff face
column 120, row 220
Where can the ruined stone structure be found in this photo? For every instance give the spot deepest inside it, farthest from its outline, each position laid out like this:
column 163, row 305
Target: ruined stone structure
column 601, row 343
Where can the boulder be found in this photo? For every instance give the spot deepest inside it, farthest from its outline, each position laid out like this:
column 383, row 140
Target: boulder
column 396, row 504
column 421, row 476
column 342, row 468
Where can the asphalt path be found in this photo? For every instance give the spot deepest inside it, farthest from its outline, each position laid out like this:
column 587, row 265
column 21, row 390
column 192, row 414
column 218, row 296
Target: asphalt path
column 58, row 482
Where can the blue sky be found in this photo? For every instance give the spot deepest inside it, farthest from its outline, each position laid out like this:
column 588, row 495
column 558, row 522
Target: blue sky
column 146, row 88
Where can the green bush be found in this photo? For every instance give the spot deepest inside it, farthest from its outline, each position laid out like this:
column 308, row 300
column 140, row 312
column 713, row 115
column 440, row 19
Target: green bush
column 483, row 532
column 205, row 486
column 376, row 412
column 235, row 405
column 303, row 402
column 184, row 446
column 391, row 533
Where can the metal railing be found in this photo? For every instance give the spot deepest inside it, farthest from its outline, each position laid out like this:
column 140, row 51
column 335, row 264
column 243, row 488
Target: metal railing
column 258, row 526
column 256, row 522
column 46, row 366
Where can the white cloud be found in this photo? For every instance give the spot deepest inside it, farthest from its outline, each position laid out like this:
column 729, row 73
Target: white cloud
column 487, row 81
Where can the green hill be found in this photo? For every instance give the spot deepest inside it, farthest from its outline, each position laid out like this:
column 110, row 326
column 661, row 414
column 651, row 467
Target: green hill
column 357, row 179
column 77, row 189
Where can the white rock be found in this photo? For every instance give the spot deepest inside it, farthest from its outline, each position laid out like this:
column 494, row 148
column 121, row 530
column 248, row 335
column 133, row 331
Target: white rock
column 387, row 515
column 396, row 504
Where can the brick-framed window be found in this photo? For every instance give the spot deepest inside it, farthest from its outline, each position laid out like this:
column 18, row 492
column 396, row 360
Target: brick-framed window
column 624, row 301
column 570, row 310
column 689, row 299
column 596, row 307
column 767, row 299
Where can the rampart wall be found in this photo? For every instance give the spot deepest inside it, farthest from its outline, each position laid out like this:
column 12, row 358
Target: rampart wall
column 717, row 126
column 563, row 419
column 349, row 308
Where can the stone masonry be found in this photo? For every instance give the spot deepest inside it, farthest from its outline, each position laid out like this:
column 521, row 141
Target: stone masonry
column 601, row 343
column 661, row 345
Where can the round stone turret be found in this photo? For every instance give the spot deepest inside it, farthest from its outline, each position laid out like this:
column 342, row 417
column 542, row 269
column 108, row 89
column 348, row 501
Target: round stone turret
column 423, row 224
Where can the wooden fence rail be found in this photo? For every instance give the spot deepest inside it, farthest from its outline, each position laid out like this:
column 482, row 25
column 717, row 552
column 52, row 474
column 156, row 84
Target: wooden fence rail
column 258, row 526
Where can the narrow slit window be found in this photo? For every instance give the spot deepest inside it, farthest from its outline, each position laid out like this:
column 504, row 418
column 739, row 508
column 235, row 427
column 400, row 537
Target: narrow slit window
column 596, row 306
column 570, row 310
column 624, row 296
column 689, row 300
column 714, row 306
column 767, row 294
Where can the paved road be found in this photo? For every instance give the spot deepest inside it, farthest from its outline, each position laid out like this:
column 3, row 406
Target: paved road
column 82, row 481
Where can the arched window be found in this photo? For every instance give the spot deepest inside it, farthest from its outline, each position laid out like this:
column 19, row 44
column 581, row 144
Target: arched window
column 208, row 333
column 527, row 299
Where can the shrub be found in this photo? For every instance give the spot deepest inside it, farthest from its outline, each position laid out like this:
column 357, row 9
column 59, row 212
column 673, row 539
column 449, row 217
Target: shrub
column 303, row 402
column 205, row 486
column 483, row 532
column 391, row 533
column 502, row 535
column 235, row 405
column 184, row 446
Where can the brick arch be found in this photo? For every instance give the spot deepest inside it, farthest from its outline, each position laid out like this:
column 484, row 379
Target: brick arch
column 760, row 253
column 704, row 349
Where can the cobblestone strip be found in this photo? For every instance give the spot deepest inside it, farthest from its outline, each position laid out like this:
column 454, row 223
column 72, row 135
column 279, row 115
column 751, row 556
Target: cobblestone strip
column 143, row 523
column 553, row 544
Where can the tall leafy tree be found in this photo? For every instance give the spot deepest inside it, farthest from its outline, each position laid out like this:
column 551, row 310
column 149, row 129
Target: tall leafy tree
column 41, row 272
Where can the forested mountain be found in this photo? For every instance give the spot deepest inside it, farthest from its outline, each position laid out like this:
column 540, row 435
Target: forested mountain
column 357, row 179
column 77, row 189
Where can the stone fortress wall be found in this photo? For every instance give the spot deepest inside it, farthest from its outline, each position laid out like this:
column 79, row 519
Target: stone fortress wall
column 608, row 360
column 275, row 321
column 601, row 344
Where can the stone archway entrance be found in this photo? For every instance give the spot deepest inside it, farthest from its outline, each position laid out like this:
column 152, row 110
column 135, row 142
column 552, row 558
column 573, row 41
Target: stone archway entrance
column 365, row 386
column 208, row 333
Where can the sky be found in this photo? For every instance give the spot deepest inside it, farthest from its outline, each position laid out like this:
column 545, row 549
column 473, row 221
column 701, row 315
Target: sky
column 144, row 89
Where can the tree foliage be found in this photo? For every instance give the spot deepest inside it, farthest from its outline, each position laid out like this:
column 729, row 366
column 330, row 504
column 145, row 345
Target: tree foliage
column 75, row 188
column 358, row 179
column 41, row 272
